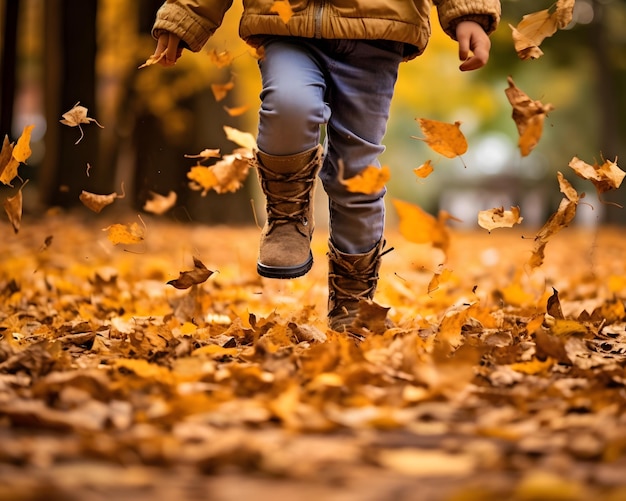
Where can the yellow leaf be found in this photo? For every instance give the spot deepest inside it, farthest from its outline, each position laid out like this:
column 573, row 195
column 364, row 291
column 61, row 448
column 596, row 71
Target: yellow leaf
column 202, row 178
column 8, row 164
column 22, row 151
column 533, row 366
column 370, row 180
column 424, row 170
column 125, row 234
column 499, row 218
column 444, row 138
column 220, row 91
column 215, row 350
column 283, row 9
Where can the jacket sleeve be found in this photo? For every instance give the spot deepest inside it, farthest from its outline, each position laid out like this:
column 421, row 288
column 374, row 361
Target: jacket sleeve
column 193, row 21
column 452, row 12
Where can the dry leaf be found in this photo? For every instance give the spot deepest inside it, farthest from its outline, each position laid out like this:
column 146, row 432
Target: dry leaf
column 220, row 59
column 76, row 116
column 231, row 171
column 419, row 227
column 160, row 204
column 202, row 178
column 186, row 279
column 243, row 139
column 499, row 218
column 220, row 91
column 13, row 208
column 206, row 154
column 605, row 177
column 528, row 115
column 12, row 154
column 444, row 138
column 424, row 170
column 283, row 9
column 370, row 180
column 125, row 234
column 152, row 60
column 97, row 202
column 237, row 111
column 537, row 26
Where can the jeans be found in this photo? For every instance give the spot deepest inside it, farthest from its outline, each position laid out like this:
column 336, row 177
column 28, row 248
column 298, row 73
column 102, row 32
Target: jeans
column 346, row 85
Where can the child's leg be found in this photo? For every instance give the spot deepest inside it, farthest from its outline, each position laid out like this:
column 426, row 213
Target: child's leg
column 289, row 155
column 360, row 92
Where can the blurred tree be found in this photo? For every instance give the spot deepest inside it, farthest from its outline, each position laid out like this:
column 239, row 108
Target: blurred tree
column 70, row 77
column 8, row 20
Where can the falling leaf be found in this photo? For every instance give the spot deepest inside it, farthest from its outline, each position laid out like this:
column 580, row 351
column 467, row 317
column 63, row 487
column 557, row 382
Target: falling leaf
column 206, row 154
column 160, row 204
column 439, row 278
column 424, row 170
column 152, row 60
column 231, row 171
column 499, row 218
column 243, row 139
column 557, row 221
column 97, row 202
column 605, row 177
column 419, row 227
column 237, row 111
column 198, row 275
column 220, row 91
column 537, row 26
column 77, row 116
column 220, row 59
column 553, row 306
column 202, row 178
column 13, row 208
column 283, row 9
column 125, row 234
column 528, row 115
column 370, row 180
column 12, row 154
column 444, row 138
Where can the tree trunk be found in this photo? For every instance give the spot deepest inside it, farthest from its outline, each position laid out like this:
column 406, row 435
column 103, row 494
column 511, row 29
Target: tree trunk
column 7, row 65
column 70, row 77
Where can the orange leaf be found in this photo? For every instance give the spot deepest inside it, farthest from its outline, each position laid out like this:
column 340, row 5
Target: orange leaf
column 202, row 178
column 424, row 170
column 198, row 275
column 125, row 233
column 237, row 111
column 419, row 227
column 220, row 59
column 283, row 9
column 444, row 138
column 220, row 91
column 605, row 177
column 370, row 180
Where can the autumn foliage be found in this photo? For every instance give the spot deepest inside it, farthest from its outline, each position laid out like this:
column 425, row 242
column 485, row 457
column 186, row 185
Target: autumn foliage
column 141, row 347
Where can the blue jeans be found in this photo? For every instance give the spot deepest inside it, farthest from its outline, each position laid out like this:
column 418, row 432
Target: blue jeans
column 346, row 85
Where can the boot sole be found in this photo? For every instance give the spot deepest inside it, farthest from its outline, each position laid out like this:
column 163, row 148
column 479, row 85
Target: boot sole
column 285, row 272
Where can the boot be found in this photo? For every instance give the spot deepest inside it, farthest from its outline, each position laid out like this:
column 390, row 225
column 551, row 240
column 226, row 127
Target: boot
column 288, row 183
column 352, row 281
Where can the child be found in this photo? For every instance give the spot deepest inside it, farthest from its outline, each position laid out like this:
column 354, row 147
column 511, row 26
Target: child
column 334, row 63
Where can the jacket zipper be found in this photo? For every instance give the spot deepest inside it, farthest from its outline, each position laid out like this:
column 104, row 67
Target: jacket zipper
column 319, row 12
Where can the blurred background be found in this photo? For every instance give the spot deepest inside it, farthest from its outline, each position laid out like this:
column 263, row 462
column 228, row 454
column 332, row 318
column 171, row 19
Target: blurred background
column 55, row 53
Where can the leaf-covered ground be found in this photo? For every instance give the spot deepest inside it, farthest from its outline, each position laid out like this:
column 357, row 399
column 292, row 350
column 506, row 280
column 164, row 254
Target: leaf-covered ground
column 491, row 385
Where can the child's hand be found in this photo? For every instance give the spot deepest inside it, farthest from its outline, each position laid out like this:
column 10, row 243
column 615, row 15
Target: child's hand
column 168, row 43
column 474, row 45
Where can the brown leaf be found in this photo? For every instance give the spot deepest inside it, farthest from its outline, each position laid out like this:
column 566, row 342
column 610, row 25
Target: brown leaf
column 444, row 138
column 13, row 208
column 553, row 308
column 97, row 202
column 605, row 177
column 528, row 115
column 198, row 275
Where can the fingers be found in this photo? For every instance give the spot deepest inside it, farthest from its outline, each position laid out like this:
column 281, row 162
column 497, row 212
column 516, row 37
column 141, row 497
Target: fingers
column 474, row 46
column 168, row 50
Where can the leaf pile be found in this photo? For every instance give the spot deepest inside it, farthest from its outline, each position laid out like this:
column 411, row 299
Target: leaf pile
column 491, row 384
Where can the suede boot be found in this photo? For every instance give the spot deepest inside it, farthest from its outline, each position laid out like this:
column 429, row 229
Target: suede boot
column 288, row 183
column 352, row 281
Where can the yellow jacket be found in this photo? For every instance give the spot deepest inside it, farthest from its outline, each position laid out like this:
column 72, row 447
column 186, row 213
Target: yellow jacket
column 194, row 21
